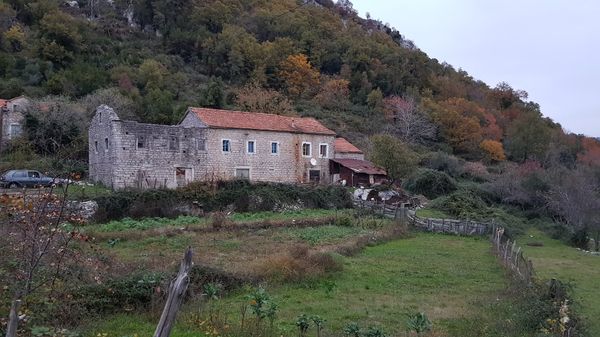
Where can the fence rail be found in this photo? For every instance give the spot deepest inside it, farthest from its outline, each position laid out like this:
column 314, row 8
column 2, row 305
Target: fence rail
column 511, row 255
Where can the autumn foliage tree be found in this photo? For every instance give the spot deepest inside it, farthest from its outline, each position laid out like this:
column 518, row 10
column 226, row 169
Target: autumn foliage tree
column 493, row 150
column 253, row 97
column 299, row 77
column 334, row 94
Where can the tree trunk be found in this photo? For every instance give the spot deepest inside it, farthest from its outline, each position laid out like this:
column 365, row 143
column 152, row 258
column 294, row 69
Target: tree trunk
column 13, row 319
column 597, row 241
column 177, row 290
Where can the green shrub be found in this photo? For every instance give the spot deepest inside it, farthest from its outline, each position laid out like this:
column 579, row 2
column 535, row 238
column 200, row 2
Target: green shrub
column 132, row 291
column 241, row 195
column 461, row 204
column 430, row 183
column 441, row 161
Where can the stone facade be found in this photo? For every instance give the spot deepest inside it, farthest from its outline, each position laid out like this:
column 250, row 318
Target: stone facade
column 130, row 154
column 11, row 119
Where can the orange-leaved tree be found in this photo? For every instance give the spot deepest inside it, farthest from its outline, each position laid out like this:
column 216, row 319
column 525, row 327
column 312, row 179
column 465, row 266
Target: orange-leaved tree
column 298, row 76
column 493, row 150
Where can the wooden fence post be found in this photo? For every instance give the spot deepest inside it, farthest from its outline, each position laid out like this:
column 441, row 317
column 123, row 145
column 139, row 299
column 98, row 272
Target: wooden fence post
column 177, row 290
column 13, row 319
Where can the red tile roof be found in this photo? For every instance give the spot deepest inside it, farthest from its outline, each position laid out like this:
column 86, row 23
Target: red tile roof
column 227, row 119
column 3, row 102
column 341, row 145
column 360, row 166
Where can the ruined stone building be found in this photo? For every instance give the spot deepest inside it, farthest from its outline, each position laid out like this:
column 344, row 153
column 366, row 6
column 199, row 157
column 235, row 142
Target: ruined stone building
column 209, row 144
column 12, row 112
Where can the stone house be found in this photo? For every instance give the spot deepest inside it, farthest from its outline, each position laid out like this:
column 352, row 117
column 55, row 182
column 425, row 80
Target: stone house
column 12, row 112
column 208, row 144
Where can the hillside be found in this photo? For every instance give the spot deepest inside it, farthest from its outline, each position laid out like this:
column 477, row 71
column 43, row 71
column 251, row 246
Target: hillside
column 313, row 58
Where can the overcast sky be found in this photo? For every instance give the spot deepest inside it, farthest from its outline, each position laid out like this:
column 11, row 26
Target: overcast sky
column 549, row 48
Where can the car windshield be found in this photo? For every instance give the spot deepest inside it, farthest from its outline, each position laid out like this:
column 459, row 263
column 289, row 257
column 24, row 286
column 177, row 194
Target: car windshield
column 7, row 173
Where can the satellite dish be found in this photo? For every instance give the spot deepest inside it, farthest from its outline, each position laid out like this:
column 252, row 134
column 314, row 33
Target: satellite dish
column 313, row 162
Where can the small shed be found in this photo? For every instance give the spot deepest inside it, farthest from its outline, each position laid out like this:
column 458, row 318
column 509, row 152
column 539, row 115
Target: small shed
column 356, row 172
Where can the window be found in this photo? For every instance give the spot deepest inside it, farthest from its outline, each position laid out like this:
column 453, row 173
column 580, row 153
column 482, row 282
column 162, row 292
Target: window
column 226, row 145
column 96, row 146
column 201, row 144
column 314, row 176
column 173, row 143
column 274, row 148
column 323, row 150
column 306, row 149
column 33, row 174
column 141, row 142
column 251, row 147
column 15, row 130
column 242, row 173
column 105, row 144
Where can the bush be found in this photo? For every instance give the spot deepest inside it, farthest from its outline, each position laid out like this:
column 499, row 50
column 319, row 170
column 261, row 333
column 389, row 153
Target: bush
column 461, row 204
column 241, row 195
column 443, row 162
column 114, row 295
column 430, row 183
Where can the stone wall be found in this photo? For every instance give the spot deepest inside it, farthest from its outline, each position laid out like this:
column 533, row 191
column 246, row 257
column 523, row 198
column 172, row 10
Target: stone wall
column 11, row 118
column 287, row 166
column 130, row 154
column 144, row 155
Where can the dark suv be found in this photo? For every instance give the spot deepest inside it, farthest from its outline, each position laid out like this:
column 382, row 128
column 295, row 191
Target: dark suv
column 25, row 178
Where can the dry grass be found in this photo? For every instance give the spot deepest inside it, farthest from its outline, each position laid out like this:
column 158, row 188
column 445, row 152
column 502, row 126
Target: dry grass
column 297, row 264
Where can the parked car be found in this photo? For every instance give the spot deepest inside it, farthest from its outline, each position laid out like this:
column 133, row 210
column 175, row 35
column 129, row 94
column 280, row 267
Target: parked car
column 26, row 178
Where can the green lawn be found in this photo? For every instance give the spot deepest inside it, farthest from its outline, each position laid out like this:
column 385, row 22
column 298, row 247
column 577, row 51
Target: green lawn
column 557, row 260
column 452, row 279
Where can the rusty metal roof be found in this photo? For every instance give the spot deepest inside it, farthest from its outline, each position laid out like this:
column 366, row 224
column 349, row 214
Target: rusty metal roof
column 360, row 166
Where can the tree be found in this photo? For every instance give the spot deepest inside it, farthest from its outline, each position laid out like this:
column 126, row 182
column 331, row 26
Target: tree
column 591, row 152
column 409, row 123
column 375, row 100
column 334, row 94
column 60, row 35
column 493, row 150
column 528, row 137
column 253, row 97
column 575, row 196
column 394, row 156
column 55, row 123
column 213, row 95
column 298, row 76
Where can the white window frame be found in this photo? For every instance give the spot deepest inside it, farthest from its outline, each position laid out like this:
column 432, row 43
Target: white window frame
column 309, row 150
column 229, row 146
column 247, row 144
column 271, row 149
column 242, row 168
column 326, row 150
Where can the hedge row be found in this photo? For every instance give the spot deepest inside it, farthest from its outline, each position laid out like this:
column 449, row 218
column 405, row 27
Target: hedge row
column 240, row 196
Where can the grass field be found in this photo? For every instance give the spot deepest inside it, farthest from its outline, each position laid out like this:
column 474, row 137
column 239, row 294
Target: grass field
column 557, row 260
column 452, row 279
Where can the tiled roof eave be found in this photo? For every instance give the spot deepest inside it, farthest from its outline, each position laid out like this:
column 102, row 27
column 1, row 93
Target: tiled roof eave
column 273, row 130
